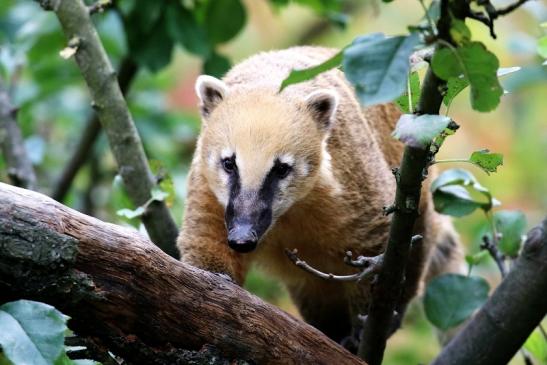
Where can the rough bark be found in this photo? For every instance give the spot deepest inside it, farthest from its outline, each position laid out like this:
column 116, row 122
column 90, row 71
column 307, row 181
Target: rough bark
column 115, row 118
column 19, row 166
column 117, row 286
column 517, row 306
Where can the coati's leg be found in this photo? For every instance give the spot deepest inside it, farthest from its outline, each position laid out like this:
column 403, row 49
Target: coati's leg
column 323, row 305
column 203, row 238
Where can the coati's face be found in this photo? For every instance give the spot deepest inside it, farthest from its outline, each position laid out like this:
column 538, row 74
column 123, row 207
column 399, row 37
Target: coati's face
column 261, row 153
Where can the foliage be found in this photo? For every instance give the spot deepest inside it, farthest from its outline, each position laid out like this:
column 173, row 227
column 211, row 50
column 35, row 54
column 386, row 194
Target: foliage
column 450, row 299
column 32, row 333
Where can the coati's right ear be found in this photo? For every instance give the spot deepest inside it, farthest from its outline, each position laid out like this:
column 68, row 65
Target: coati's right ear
column 210, row 91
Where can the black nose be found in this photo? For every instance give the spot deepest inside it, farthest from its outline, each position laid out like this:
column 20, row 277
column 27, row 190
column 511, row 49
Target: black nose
column 242, row 246
column 242, row 238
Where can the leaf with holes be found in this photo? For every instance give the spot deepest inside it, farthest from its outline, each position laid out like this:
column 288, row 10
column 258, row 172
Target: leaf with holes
column 457, row 84
column 378, row 66
column 486, row 160
column 419, row 130
column 478, row 66
column 451, row 298
column 32, row 332
column 305, row 74
column 512, row 226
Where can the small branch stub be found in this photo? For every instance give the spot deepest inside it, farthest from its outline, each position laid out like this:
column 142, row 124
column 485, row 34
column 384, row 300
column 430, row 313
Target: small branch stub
column 99, row 6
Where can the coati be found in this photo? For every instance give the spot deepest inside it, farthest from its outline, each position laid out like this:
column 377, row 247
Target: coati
column 304, row 168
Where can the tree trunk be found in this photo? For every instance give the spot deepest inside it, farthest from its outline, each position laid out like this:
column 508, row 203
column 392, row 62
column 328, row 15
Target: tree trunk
column 117, row 286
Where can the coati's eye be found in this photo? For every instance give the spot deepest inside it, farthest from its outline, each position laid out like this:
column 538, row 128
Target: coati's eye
column 282, row 170
column 228, row 164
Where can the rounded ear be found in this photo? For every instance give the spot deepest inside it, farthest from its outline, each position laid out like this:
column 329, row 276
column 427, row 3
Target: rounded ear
column 322, row 105
column 210, row 91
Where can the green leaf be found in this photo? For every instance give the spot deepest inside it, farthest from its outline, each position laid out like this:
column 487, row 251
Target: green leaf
column 487, row 161
column 542, row 46
column 32, row 332
column 378, row 66
column 64, row 360
column 537, row 346
column 451, row 298
column 415, row 91
column 459, row 32
column 456, row 201
column 305, row 74
column 511, row 225
column 224, row 19
column 153, row 49
column 216, row 65
column 419, row 130
column 130, row 214
column 478, row 66
column 183, row 28
column 457, row 192
column 456, row 84
column 477, row 258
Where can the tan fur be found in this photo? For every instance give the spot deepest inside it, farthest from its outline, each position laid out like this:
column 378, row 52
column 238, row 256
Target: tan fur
column 336, row 204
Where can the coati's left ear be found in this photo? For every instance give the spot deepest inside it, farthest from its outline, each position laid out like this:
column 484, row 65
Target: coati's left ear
column 210, row 91
column 322, row 104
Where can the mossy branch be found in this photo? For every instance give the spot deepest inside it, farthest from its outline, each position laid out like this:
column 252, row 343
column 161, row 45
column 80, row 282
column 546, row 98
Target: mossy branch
column 115, row 117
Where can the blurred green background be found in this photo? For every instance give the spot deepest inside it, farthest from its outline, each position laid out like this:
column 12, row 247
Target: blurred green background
column 54, row 106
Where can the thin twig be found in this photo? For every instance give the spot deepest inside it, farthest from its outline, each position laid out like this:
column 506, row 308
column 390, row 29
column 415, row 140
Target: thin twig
column 495, row 253
column 370, row 266
column 99, row 6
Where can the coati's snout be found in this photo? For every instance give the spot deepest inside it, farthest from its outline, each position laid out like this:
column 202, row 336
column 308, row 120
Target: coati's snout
column 245, row 228
column 248, row 216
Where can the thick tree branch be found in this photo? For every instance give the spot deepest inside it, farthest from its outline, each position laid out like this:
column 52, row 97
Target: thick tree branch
column 515, row 308
column 128, row 71
column 119, row 287
column 19, row 166
column 115, row 118
column 387, row 291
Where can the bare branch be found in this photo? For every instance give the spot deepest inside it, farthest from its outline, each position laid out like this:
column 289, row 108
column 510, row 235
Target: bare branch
column 370, row 266
column 116, row 119
column 492, row 249
column 99, row 6
column 20, row 169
